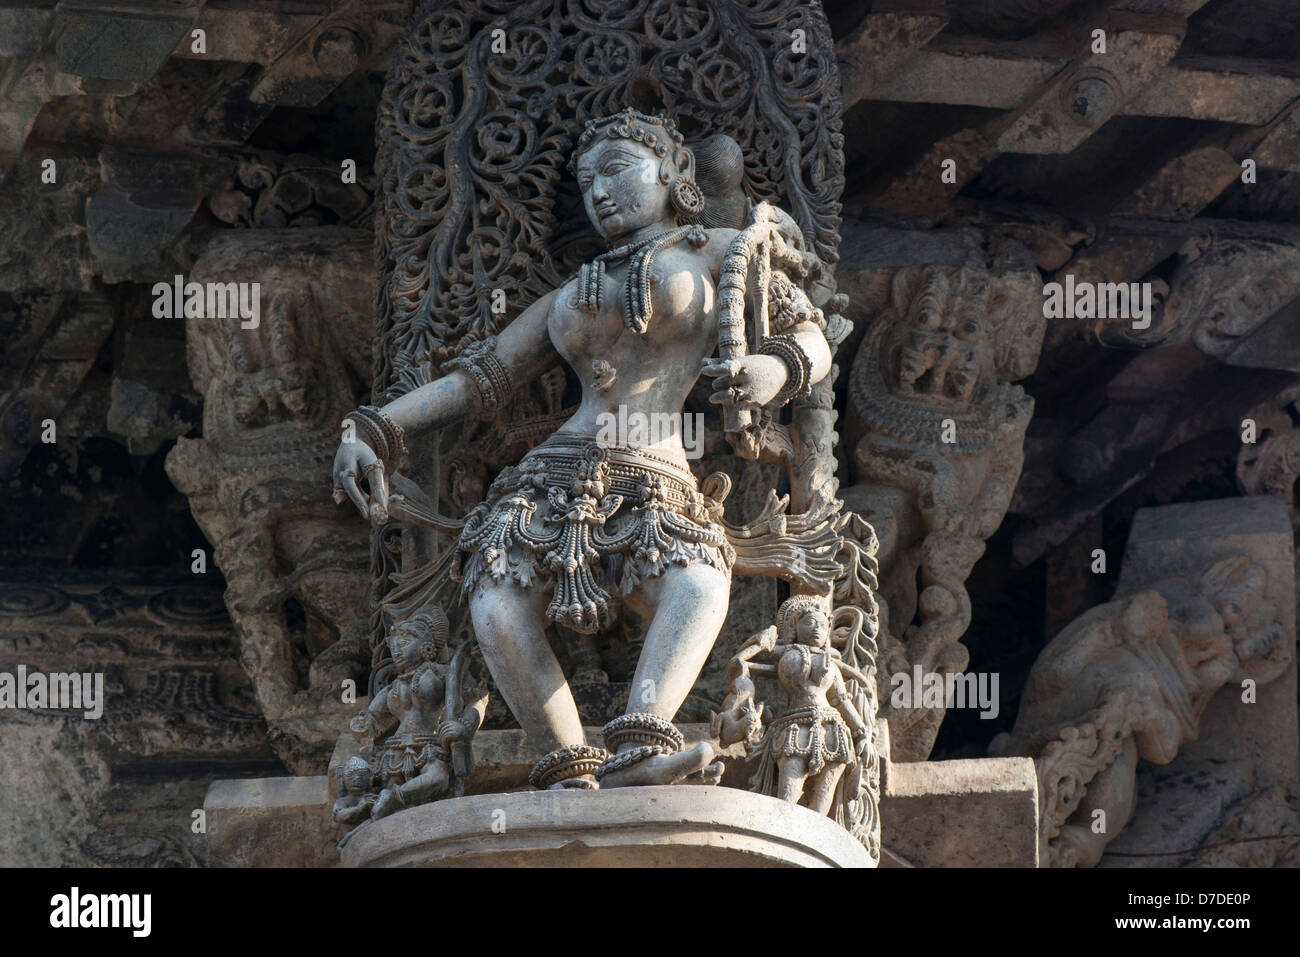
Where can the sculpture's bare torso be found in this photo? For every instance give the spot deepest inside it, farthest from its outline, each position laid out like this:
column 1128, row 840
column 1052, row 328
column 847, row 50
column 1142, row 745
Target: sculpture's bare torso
column 652, row 371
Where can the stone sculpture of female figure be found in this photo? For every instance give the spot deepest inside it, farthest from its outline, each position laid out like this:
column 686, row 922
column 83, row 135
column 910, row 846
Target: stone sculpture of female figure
column 819, row 733
column 416, row 763
column 576, row 520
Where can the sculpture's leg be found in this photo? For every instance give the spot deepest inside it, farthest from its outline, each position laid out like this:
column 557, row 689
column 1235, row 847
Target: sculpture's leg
column 821, row 789
column 429, row 784
column 790, row 778
column 687, row 605
column 1113, row 792
column 508, row 627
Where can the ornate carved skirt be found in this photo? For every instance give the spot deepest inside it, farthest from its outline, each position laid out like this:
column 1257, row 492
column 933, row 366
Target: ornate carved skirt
column 817, row 734
column 579, row 518
column 406, row 756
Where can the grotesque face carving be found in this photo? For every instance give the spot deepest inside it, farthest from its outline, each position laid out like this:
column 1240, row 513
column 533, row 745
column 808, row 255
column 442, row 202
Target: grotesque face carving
column 623, row 187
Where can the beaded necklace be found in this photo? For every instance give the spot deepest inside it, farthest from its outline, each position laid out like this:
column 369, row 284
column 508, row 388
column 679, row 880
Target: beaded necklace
column 637, row 306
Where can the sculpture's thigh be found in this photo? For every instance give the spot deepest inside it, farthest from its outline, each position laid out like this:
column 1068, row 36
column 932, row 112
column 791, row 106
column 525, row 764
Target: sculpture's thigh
column 821, row 789
column 687, row 605
column 508, row 626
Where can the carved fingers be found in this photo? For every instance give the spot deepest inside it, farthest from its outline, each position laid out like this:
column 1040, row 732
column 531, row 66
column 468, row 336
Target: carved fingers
column 353, row 461
column 378, row 482
column 730, row 380
column 752, row 379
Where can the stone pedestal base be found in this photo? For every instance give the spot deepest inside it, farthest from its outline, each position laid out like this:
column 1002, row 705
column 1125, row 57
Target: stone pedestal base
column 682, row 826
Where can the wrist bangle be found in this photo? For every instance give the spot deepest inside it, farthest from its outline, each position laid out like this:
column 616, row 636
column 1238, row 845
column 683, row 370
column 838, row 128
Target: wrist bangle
column 798, row 367
column 385, row 437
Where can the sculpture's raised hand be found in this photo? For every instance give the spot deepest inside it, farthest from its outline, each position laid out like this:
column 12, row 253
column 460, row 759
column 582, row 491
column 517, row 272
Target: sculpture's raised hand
column 353, row 461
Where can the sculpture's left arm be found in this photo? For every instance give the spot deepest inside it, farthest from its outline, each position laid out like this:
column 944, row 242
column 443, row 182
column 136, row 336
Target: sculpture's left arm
column 789, row 365
column 839, row 697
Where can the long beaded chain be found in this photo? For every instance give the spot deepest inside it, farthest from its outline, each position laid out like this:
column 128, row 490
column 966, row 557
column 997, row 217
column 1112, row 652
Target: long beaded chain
column 637, row 305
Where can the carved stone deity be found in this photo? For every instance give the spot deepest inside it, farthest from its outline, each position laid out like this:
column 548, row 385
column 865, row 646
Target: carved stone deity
column 428, row 711
column 821, row 748
column 937, row 431
column 582, row 525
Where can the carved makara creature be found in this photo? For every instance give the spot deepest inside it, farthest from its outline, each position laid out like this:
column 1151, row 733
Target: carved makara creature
column 1129, row 681
column 418, row 729
column 578, row 522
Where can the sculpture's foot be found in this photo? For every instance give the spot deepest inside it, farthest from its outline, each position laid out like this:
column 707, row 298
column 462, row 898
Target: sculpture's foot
column 651, row 765
column 389, row 801
column 709, row 775
column 584, row 782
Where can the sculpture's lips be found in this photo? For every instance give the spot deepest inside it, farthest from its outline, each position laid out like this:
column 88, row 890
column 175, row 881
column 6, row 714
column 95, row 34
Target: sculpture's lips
column 603, row 211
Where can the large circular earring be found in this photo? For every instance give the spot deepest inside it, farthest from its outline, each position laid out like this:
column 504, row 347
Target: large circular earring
column 686, row 198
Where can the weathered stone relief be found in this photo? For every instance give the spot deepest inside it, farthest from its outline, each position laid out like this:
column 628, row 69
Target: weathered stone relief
column 273, row 396
column 173, row 698
column 1132, row 680
column 936, row 429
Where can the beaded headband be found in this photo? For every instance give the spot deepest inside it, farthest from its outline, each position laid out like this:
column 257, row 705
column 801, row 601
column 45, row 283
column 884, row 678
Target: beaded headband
column 792, row 608
column 658, row 133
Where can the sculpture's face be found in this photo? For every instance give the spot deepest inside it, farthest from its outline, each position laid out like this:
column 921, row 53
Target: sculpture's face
column 621, row 187
column 810, row 628
column 405, row 648
column 357, row 780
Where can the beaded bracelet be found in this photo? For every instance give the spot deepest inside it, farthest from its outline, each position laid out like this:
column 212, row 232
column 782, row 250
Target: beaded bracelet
column 385, row 437
column 490, row 378
column 798, row 367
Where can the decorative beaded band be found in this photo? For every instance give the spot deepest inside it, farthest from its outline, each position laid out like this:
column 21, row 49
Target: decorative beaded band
column 642, row 728
column 572, row 761
column 627, row 759
column 491, row 380
column 798, row 367
column 384, row 436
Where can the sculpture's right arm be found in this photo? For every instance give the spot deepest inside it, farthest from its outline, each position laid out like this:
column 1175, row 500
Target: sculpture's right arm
column 523, row 348
column 371, row 722
column 520, row 352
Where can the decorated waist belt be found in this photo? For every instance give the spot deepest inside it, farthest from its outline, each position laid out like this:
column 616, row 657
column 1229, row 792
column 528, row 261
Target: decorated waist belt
column 575, row 486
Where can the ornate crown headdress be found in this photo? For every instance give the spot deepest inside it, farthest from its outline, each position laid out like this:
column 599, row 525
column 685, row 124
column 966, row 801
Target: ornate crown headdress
column 658, row 133
column 792, row 608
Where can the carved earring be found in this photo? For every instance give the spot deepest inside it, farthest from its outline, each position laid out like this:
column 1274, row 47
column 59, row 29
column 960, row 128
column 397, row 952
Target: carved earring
column 686, row 198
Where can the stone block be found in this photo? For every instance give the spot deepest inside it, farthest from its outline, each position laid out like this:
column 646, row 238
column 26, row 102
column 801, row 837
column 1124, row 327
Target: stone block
column 271, row 822
column 969, row 813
